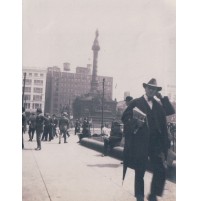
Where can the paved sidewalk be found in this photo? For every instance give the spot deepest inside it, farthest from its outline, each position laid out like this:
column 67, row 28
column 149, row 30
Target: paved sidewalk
column 71, row 172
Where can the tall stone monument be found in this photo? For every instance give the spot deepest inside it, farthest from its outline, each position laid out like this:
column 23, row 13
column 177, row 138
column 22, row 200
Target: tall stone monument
column 93, row 105
column 94, row 82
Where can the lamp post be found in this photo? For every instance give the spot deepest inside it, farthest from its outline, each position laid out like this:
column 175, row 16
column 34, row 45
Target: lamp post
column 102, row 122
column 24, row 83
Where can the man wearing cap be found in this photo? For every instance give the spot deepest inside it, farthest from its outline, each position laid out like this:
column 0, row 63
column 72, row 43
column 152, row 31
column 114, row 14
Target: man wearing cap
column 149, row 141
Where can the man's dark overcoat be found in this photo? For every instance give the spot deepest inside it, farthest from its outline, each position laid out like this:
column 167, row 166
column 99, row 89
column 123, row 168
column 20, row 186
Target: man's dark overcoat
column 144, row 142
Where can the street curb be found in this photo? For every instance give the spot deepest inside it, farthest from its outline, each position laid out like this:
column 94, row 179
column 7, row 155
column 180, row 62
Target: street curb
column 117, row 152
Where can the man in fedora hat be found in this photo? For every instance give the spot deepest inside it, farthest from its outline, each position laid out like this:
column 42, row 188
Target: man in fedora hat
column 150, row 139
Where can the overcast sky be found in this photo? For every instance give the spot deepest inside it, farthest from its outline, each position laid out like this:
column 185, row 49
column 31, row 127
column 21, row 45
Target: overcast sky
column 137, row 38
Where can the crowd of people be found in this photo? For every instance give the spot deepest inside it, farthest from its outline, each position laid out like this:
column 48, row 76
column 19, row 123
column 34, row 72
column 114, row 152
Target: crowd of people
column 48, row 127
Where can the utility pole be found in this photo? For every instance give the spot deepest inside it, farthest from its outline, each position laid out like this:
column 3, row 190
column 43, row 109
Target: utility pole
column 102, row 123
column 24, row 83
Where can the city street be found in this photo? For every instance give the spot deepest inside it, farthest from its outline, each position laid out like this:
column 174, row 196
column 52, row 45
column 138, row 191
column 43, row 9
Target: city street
column 72, row 172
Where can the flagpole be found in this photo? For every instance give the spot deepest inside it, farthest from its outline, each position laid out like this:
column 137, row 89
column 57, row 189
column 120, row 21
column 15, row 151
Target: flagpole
column 115, row 90
column 102, row 121
column 24, row 83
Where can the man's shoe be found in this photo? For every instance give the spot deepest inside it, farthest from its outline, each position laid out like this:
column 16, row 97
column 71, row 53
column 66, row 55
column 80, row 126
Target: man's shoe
column 152, row 197
column 140, row 198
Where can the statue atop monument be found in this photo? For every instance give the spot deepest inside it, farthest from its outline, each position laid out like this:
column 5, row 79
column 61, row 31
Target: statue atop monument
column 96, row 43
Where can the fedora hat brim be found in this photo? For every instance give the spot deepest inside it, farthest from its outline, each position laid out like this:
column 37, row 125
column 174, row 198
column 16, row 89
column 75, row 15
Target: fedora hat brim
column 150, row 85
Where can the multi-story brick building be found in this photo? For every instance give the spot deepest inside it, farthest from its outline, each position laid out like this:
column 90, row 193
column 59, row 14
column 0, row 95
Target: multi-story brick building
column 35, row 86
column 63, row 87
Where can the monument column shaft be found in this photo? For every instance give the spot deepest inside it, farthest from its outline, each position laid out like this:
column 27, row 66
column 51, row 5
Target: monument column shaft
column 95, row 55
column 95, row 48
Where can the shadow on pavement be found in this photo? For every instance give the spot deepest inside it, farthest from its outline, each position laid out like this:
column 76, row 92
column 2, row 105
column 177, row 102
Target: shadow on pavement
column 28, row 149
column 105, row 165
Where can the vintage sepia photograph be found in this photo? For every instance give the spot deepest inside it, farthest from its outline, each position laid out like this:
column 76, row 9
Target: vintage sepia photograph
column 98, row 100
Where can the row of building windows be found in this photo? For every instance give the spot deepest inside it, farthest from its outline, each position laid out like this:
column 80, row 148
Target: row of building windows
column 38, row 90
column 36, row 74
column 36, row 82
column 35, row 97
column 83, row 81
column 75, row 81
column 35, row 89
column 34, row 105
column 81, row 85
column 66, row 76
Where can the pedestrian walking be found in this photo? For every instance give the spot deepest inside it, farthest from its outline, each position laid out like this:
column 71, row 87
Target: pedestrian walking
column 148, row 138
column 63, row 126
column 32, row 126
column 39, row 127
column 54, row 124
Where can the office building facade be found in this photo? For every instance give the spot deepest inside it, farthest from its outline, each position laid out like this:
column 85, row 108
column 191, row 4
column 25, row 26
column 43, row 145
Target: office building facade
column 34, row 89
